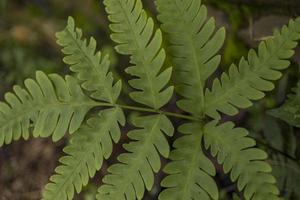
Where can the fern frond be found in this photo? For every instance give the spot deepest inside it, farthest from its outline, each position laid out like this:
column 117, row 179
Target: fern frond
column 236, row 152
column 92, row 67
column 85, row 153
column 127, row 180
column 193, row 45
column 190, row 170
column 254, row 76
column 290, row 110
column 94, row 140
column 53, row 106
column 133, row 31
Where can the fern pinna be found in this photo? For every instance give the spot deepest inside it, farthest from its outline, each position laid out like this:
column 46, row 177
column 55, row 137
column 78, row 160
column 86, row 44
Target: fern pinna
column 52, row 106
column 286, row 168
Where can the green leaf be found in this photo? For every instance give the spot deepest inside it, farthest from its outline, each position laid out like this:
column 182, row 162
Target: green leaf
column 190, row 170
column 134, row 33
column 290, row 110
column 93, row 141
column 236, row 152
column 85, row 153
column 253, row 77
column 286, row 169
column 92, row 67
column 193, row 44
column 127, row 180
column 287, row 173
column 51, row 105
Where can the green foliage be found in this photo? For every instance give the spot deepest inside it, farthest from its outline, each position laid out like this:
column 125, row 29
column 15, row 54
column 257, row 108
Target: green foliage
column 285, row 165
column 290, row 110
column 90, row 144
column 190, row 170
column 91, row 66
column 253, row 77
column 53, row 106
column 287, row 173
column 93, row 141
column 134, row 33
column 236, row 152
column 127, row 178
column 193, row 47
column 286, row 169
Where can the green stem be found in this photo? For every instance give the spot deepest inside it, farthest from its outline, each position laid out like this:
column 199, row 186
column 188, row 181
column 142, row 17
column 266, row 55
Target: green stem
column 171, row 114
column 188, row 117
column 149, row 110
column 259, row 141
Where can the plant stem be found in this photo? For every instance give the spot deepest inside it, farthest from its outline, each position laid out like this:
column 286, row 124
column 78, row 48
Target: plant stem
column 275, row 150
column 188, row 117
column 160, row 112
column 149, row 110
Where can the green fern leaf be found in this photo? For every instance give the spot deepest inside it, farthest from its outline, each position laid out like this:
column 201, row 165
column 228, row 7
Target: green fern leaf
column 290, row 110
column 87, row 148
column 53, row 105
column 236, row 152
column 133, row 32
column 254, row 76
column 94, row 140
column 127, row 178
column 91, row 68
column 193, row 45
column 287, row 173
column 190, row 170
column 286, row 169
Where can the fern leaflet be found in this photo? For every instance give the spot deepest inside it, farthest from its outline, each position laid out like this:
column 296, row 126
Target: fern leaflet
column 127, row 179
column 253, row 77
column 91, row 68
column 53, row 106
column 286, row 169
column 87, row 148
column 94, row 140
column 236, row 152
column 190, row 170
column 290, row 110
column 193, row 44
column 133, row 32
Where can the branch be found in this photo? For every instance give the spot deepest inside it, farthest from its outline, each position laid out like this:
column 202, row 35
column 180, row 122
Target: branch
column 276, row 150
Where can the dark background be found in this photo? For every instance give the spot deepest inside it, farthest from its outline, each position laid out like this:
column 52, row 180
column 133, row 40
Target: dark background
column 27, row 44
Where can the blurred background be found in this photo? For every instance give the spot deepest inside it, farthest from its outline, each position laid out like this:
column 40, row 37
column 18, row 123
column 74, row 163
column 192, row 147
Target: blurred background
column 27, row 44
